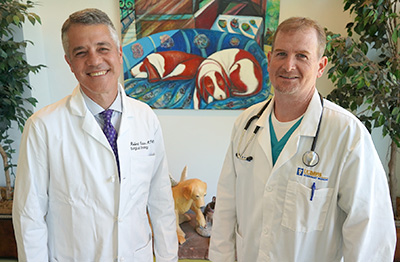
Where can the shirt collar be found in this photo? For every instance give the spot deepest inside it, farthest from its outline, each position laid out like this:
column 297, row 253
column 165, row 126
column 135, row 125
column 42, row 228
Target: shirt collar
column 96, row 109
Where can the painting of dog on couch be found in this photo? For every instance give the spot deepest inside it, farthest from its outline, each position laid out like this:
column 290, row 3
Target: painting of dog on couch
column 234, row 76
column 227, row 73
column 205, row 54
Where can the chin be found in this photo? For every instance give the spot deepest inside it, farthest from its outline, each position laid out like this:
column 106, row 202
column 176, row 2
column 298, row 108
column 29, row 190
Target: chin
column 287, row 90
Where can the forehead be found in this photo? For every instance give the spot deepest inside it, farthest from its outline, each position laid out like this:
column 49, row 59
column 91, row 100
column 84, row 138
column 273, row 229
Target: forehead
column 80, row 35
column 301, row 39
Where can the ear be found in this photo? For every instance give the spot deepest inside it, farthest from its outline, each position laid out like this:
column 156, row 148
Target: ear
column 269, row 54
column 68, row 62
column 187, row 192
column 121, row 60
column 322, row 65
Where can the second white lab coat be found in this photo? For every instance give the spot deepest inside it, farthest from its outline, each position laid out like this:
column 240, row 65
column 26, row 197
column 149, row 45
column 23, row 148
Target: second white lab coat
column 69, row 204
column 265, row 212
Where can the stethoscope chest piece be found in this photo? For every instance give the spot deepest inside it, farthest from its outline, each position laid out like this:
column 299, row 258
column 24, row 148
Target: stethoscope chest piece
column 310, row 158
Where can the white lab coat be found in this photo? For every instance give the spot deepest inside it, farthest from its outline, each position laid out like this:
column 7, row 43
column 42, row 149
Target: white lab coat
column 69, row 204
column 266, row 212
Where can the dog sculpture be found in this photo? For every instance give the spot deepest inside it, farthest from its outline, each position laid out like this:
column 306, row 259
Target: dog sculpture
column 209, row 210
column 188, row 194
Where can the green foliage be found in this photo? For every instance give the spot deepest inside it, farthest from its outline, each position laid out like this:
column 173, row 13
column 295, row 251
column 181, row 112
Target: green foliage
column 369, row 87
column 14, row 69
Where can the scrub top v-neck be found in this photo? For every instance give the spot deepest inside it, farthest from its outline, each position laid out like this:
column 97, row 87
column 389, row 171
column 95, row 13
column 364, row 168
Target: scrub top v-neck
column 277, row 146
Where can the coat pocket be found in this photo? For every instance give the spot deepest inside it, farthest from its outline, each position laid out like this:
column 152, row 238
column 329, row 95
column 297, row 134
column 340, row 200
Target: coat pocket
column 142, row 169
column 301, row 214
column 144, row 254
column 239, row 246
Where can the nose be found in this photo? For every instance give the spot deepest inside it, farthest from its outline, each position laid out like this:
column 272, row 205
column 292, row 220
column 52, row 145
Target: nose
column 219, row 93
column 94, row 59
column 289, row 63
column 201, row 202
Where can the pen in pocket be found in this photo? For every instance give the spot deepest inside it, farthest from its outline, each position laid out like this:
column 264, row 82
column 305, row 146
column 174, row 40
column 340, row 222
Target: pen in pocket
column 312, row 191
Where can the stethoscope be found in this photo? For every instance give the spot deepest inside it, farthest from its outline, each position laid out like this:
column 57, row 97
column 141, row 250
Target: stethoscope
column 310, row 158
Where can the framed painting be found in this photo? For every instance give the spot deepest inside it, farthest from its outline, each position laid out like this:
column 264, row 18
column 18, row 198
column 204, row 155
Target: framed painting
column 210, row 54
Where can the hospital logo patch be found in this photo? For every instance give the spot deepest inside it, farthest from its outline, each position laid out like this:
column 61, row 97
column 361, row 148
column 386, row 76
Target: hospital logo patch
column 311, row 174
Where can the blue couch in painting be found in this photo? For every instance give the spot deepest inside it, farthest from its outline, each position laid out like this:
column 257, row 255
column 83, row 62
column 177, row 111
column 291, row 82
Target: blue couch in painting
column 178, row 94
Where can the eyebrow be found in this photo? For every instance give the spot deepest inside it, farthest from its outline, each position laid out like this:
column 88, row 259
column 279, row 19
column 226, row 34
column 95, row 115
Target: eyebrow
column 104, row 44
column 296, row 51
column 79, row 48
column 303, row 52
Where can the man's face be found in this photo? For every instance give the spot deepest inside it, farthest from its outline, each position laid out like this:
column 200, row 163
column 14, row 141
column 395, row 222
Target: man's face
column 294, row 65
column 95, row 59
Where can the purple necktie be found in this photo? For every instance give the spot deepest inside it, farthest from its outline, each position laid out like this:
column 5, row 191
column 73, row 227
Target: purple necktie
column 110, row 132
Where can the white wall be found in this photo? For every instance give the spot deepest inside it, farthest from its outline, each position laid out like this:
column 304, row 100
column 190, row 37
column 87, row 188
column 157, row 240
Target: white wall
column 198, row 139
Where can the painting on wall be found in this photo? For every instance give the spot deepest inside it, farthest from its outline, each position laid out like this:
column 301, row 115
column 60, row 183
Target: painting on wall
column 197, row 54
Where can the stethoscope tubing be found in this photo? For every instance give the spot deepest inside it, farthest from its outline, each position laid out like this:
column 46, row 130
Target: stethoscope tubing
column 248, row 123
column 307, row 160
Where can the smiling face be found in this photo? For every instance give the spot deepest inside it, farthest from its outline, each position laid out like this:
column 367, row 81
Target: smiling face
column 96, row 60
column 294, row 64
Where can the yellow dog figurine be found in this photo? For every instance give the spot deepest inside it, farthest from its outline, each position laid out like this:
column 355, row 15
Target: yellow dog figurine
column 188, row 194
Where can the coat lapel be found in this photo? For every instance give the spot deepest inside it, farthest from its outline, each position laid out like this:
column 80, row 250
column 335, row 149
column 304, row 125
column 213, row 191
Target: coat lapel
column 127, row 114
column 89, row 123
column 307, row 128
column 263, row 138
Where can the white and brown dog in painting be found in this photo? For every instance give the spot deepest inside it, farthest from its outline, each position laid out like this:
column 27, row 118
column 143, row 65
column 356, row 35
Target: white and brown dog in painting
column 226, row 73
column 167, row 65
column 188, row 194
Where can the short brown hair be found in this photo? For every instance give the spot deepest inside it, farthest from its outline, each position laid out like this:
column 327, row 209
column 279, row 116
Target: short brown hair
column 300, row 23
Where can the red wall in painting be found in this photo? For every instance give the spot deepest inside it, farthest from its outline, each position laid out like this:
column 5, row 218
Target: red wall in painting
column 164, row 7
column 206, row 17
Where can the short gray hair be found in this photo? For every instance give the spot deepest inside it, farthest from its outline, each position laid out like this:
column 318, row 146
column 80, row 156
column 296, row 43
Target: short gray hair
column 89, row 16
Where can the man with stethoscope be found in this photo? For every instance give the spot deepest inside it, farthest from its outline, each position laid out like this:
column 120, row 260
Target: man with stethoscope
column 302, row 180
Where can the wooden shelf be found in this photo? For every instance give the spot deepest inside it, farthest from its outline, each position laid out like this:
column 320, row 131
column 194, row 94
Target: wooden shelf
column 8, row 246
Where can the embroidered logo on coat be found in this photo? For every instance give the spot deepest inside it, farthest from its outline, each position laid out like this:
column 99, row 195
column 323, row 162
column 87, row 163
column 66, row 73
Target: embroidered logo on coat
column 310, row 174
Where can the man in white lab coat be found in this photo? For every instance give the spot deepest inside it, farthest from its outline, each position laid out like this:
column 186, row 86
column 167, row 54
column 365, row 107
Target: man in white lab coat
column 75, row 198
column 278, row 202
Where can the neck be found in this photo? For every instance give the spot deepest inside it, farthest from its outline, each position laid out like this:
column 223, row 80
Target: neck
column 288, row 107
column 105, row 100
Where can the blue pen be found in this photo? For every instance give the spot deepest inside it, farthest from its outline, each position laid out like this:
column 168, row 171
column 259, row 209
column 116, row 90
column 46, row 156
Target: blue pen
column 312, row 191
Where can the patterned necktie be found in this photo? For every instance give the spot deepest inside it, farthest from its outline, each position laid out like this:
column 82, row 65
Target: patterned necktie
column 110, row 132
